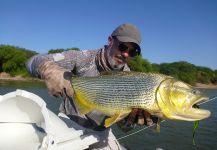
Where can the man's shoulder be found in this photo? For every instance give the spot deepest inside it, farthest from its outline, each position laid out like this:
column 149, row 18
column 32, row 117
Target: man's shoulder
column 89, row 52
column 83, row 52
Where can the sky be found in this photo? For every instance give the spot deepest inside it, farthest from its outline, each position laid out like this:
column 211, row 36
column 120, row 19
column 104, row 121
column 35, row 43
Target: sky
column 171, row 30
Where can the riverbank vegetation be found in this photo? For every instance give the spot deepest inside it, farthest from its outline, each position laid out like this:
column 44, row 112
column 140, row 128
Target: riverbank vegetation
column 182, row 70
column 13, row 59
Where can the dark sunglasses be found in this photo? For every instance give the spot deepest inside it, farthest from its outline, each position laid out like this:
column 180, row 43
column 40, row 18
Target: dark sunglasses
column 132, row 52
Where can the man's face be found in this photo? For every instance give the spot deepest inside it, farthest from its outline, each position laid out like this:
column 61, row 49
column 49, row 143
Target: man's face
column 119, row 52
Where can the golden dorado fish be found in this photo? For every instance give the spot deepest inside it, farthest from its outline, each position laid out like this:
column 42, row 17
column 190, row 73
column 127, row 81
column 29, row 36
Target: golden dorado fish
column 116, row 94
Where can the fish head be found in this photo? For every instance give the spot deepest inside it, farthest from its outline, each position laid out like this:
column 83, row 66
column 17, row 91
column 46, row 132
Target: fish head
column 177, row 99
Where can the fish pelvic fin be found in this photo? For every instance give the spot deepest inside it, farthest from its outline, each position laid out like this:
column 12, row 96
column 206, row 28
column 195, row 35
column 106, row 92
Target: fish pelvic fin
column 157, row 126
column 115, row 118
column 157, row 129
column 111, row 120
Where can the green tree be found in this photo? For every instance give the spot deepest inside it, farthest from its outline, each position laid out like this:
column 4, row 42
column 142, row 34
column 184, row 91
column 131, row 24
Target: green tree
column 155, row 67
column 52, row 51
column 214, row 78
column 139, row 64
column 12, row 59
column 59, row 50
column 73, row 48
column 181, row 70
column 205, row 74
column 168, row 69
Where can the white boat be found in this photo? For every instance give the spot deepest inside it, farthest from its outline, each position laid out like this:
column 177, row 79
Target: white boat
column 26, row 123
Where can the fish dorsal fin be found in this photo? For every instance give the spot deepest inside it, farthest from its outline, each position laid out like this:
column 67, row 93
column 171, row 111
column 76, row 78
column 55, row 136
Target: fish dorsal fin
column 131, row 74
column 119, row 73
column 112, row 73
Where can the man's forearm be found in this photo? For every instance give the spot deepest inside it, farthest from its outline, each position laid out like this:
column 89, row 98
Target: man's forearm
column 33, row 64
column 65, row 60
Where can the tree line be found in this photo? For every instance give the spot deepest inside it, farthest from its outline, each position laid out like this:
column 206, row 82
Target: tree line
column 13, row 59
column 181, row 70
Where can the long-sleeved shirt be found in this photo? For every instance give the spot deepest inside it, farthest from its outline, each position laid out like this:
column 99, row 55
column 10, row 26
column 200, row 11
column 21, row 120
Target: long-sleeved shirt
column 81, row 63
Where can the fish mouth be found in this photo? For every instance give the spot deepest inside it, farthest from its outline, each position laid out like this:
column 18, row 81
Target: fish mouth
column 195, row 113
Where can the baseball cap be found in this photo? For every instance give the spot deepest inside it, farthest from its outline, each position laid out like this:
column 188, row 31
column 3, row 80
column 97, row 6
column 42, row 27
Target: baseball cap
column 128, row 33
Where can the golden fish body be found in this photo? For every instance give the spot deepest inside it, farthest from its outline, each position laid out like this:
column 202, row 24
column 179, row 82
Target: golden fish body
column 116, row 94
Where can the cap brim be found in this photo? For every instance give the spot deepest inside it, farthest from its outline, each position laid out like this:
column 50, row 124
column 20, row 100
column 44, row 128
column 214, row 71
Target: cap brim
column 127, row 39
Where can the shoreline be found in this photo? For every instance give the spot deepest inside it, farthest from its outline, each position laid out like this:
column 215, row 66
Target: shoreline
column 32, row 79
column 7, row 77
column 26, row 79
column 205, row 86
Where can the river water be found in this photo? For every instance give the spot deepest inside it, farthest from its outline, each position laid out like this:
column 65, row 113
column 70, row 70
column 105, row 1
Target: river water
column 174, row 135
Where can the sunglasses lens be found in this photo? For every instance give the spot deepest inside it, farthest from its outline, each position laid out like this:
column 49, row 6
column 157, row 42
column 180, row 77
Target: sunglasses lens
column 133, row 52
column 122, row 47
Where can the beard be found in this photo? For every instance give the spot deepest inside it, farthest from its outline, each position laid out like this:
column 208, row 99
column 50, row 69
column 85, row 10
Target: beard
column 115, row 65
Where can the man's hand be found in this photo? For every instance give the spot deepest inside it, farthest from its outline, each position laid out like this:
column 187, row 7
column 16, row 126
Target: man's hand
column 137, row 117
column 140, row 117
column 58, row 80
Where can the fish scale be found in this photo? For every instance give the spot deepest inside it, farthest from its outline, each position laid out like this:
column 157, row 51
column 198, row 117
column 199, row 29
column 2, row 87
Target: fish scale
column 119, row 91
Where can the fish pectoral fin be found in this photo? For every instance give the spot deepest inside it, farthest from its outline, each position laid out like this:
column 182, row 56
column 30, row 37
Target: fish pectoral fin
column 112, row 120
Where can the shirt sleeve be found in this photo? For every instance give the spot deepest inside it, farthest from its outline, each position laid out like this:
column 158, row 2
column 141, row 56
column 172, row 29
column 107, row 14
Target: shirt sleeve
column 66, row 60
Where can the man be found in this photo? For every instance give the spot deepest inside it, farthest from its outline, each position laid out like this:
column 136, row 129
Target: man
column 57, row 69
